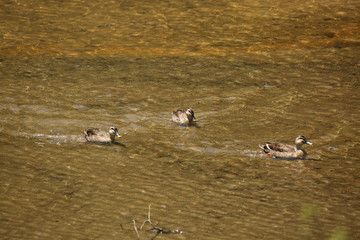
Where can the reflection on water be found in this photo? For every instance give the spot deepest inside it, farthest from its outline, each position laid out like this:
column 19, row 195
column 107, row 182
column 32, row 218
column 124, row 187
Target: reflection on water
column 253, row 71
column 176, row 27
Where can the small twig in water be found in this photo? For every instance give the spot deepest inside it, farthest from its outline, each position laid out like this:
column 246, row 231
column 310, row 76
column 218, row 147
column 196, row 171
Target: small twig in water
column 157, row 230
column 137, row 233
column 148, row 220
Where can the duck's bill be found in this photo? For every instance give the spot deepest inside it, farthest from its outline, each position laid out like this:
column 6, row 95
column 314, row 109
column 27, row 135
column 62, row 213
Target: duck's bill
column 308, row 143
column 117, row 135
column 194, row 120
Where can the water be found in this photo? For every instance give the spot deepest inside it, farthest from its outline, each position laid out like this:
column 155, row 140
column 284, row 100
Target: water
column 253, row 71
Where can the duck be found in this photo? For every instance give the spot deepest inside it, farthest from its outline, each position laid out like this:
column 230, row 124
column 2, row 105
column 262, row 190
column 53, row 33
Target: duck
column 183, row 117
column 100, row 135
column 282, row 150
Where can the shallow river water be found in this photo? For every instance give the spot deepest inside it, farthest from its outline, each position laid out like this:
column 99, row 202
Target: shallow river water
column 253, row 71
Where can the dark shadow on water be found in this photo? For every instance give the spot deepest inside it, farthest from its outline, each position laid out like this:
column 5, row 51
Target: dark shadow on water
column 119, row 144
column 294, row 159
column 186, row 125
column 107, row 143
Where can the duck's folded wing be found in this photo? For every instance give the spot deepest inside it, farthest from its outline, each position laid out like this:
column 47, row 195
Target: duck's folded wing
column 178, row 115
column 92, row 131
column 279, row 147
column 178, row 112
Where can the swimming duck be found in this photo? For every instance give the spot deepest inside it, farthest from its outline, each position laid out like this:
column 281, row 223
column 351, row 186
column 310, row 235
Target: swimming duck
column 281, row 150
column 181, row 116
column 100, row 135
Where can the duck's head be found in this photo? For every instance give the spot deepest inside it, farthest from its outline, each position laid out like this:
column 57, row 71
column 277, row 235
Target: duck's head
column 190, row 115
column 114, row 132
column 300, row 140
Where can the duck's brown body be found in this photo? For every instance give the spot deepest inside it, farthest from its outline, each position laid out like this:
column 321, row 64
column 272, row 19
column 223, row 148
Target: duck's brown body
column 100, row 135
column 181, row 116
column 281, row 150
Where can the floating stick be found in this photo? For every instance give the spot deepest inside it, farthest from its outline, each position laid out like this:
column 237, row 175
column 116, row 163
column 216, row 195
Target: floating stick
column 148, row 220
column 137, row 233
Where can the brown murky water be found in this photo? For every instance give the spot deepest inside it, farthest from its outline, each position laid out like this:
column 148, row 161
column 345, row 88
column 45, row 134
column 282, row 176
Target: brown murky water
column 253, row 71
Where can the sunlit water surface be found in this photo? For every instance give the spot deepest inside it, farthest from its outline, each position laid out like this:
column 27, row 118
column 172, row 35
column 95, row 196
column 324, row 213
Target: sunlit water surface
column 253, row 71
